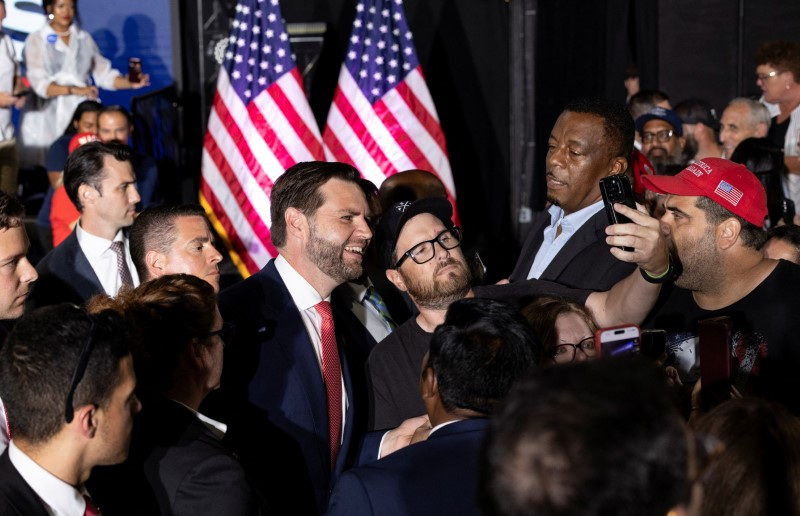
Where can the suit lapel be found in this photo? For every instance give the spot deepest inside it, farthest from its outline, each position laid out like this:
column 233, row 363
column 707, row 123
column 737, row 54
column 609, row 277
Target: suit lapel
column 77, row 268
column 532, row 245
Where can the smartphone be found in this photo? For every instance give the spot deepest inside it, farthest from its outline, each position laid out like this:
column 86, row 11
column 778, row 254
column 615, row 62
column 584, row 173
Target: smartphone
column 617, row 340
column 715, row 359
column 617, row 189
column 787, row 211
column 653, row 343
column 134, row 70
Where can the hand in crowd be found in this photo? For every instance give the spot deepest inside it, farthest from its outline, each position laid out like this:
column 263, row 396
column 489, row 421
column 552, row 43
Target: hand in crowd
column 90, row 92
column 404, row 434
column 7, row 99
column 650, row 250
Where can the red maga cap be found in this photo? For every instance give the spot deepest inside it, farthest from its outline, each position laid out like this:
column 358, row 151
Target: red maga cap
column 81, row 138
column 728, row 184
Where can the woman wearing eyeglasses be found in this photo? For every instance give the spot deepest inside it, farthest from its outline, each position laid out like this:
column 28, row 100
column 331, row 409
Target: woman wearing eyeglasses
column 565, row 329
column 177, row 462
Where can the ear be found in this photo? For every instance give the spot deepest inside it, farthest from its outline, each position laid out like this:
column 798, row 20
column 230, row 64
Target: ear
column 86, row 418
column 727, row 233
column 87, row 194
column 429, row 387
column 682, row 141
column 618, row 166
column 155, row 263
column 761, row 130
column 396, row 279
column 296, row 223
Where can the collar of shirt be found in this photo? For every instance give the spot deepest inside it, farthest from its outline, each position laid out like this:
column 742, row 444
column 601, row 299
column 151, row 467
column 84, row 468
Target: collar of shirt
column 572, row 222
column 216, row 428
column 94, row 246
column 303, row 294
column 442, row 425
column 61, row 498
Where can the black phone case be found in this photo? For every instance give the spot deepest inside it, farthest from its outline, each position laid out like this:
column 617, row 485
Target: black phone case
column 617, row 189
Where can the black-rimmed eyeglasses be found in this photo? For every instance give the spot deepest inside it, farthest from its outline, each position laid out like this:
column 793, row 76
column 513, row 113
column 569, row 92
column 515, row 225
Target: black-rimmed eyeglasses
column 80, row 370
column 662, row 136
column 564, row 353
column 425, row 251
column 226, row 333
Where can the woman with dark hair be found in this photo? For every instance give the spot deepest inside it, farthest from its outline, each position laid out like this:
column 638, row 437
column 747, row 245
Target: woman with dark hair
column 177, row 463
column 59, row 59
column 765, row 159
column 757, row 471
column 565, row 330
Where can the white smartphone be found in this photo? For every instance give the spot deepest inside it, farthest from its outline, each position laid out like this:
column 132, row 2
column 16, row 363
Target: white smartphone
column 617, row 340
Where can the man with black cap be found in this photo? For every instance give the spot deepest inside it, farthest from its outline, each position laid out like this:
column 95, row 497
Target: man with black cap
column 713, row 223
column 419, row 247
column 662, row 138
column 700, row 128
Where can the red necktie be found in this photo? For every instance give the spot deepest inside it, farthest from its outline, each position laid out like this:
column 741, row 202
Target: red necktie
column 332, row 374
column 91, row 508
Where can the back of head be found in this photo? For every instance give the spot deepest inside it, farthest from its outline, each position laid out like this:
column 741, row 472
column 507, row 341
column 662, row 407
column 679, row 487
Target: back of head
column 410, row 185
column 479, row 351
column 759, row 155
column 589, row 438
column 758, row 469
column 644, row 101
column 86, row 165
column 298, row 188
column 788, row 233
column 166, row 314
column 154, row 230
column 11, row 211
column 40, row 357
column 617, row 123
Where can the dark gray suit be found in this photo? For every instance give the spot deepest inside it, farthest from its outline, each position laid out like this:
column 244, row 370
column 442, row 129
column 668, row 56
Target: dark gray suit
column 65, row 276
column 16, row 496
column 585, row 261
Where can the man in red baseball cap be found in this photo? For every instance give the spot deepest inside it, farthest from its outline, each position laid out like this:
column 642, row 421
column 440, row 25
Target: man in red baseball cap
column 714, row 218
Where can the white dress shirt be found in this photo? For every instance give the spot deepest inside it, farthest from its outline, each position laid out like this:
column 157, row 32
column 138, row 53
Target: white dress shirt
column 552, row 244
column 305, row 297
column 365, row 312
column 60, row 498
column 104, row 261
column 218, row 429
column 3, row 428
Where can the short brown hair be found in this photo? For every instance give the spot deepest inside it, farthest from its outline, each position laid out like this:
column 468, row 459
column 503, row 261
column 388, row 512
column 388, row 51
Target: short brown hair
column 783, row 55
column 11, row 211
column 751, row 235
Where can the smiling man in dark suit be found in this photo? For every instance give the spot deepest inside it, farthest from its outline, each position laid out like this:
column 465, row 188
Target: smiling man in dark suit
column 474, row 359
column 95, row 258
column 592, row 139
column 293, row 385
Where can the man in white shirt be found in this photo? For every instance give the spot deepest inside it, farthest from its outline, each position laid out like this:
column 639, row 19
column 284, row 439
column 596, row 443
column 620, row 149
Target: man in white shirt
column 95, row 258
column 68, row 384
column 297, row 358
column 592, row 139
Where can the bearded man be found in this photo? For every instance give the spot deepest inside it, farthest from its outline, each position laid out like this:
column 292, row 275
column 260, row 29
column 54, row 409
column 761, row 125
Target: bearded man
column 294, row 392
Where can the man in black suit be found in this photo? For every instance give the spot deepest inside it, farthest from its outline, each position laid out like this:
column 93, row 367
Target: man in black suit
column 68, row 384
column 474, row 358
column 592, row 139
column 94, row 258
column 293, row 383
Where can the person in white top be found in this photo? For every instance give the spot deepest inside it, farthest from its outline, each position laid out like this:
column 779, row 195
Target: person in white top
column 59, row 58
column 67, row 382
column 95, row 258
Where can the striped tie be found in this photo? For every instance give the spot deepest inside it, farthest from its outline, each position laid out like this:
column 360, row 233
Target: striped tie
column 373, row 298
column 122, row 266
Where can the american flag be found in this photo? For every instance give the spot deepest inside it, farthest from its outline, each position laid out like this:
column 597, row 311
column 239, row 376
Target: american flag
column 382, row 119
column 729, row 192
column 260, row 125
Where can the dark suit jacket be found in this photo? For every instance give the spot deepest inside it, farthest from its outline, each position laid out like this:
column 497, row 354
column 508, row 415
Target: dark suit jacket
column 176, row 466
column 273, row 395
column 585, row 261
column 16, row 496
column 437, row 476
column 65, row 276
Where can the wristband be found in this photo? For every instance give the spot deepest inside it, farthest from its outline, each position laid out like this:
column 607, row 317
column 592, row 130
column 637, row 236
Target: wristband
column 661, row 278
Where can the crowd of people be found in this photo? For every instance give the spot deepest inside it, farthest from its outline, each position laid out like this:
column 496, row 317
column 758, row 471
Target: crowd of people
column 367, row 370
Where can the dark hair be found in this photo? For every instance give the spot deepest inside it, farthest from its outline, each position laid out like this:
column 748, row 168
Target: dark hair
column 783, row 55
column 542, row 313
column 765, row 159
column 751, row 235
column 298, row 188
column 167, row 314
column 49, row 4
column 39, row 358
column 590, row 438
column 758, row 470
column 645, row 100
column 86, row 165
column 790, row 234
column 11, row 211
column 154, row 230
column 632, row 72
column 116, row 108
column 617, row 123
column 479, row 351
column 87, row 106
